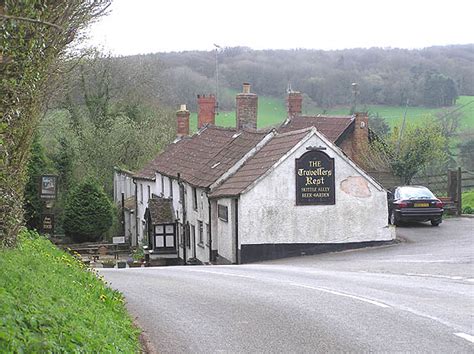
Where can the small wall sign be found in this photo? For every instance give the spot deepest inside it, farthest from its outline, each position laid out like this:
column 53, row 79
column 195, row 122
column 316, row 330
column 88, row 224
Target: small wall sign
column 47, row 223
column 48, row 186
column 315, row 179
column 118, row 239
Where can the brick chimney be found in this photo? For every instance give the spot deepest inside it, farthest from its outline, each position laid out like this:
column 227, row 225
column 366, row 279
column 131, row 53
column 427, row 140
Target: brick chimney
column 294, row 103
column 206, row 110
column 246, row 106
column 360, row 139
column 182, row 120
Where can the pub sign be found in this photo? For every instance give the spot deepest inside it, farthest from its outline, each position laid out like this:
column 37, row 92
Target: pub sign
column 47, row 223
column 315, row 182
column 48, row 187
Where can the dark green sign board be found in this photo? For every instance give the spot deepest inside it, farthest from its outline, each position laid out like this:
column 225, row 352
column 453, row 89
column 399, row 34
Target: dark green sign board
column 315, row 182
column 47, row 223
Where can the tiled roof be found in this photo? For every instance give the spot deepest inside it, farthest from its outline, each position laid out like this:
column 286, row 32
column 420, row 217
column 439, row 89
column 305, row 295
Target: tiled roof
column 187, row 155
column 260, row 163
column 161, row 211
column 203, row 158
column 332, row 127
column 239, row 145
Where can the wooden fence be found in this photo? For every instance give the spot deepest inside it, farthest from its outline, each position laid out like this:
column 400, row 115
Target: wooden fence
column 449, row 185
column 467, row 180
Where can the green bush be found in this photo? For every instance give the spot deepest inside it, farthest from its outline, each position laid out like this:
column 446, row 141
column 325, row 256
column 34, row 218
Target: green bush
column 468, row 199
column 51, row 303
column 88, row 213
column 467, row 210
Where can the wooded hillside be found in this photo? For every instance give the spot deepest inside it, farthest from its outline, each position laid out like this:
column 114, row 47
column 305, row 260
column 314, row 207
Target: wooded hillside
column 429, row 77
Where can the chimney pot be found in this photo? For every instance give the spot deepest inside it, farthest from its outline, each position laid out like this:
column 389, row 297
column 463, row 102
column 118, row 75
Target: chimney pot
column 294, row 103
column 206, row 110
column 246, row 108
column 182, row 121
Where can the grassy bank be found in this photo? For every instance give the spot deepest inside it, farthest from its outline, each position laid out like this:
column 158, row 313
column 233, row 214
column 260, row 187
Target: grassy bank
column 468, row 202
column 51, row 303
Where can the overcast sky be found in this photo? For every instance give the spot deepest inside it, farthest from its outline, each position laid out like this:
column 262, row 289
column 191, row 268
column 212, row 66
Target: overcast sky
column 150, row 26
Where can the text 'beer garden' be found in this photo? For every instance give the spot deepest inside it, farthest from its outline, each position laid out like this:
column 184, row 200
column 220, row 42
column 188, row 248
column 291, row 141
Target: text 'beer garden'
column 315, row 179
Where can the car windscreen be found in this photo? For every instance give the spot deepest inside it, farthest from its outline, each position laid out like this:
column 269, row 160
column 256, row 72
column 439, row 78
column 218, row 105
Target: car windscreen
column 415, row 192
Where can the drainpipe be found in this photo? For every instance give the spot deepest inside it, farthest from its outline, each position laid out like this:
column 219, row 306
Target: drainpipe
column 209, row 230
column 183, row 203
column 236, row 204
column 136, row 211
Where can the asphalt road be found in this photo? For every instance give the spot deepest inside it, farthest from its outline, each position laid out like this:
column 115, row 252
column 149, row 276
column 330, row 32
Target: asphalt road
column 416, row 296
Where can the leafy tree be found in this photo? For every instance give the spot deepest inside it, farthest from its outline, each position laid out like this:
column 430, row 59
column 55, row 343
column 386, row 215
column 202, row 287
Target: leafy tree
column 378, row 124
column 439, row 90
column 33, row 36
column 37, row 166
column 110, row 126
column 88, row 213
column 418, row 147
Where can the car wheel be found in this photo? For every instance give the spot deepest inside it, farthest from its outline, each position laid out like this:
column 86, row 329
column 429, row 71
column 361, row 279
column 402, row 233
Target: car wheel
column 394, row 219
column 435, row 222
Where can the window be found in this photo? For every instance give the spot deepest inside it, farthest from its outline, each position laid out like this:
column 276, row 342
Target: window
column 193, row 235
column 201, row 233
column 165, row 236
column 222, row 212
column 181, row 193
column 149, row 192
column 181, row 235
column 162, row 185
column 141, row 193
column 195, row 199
column 208, row 234
column 171, row 188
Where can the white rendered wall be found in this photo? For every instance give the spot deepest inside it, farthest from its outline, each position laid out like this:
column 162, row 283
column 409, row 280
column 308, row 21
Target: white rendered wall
column 268, row 212
column 193, row 216
column 224, row 231
column 142, row 204
column 123, row 183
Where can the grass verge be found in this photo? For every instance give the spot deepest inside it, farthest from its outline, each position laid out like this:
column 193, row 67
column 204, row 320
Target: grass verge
column 468, row 202
column 50, row 302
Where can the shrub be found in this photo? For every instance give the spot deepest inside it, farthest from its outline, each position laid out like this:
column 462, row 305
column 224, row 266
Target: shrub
column 88, row 213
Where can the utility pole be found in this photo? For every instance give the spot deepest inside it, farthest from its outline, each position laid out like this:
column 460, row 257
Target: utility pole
column 217, row 77
column 403, row 127
column 355, row 93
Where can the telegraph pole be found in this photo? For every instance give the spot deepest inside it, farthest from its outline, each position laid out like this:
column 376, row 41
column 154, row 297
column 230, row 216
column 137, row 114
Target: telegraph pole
column 217, row 76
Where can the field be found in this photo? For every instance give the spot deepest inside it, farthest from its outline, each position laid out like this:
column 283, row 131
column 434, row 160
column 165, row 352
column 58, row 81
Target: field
column 272, row 111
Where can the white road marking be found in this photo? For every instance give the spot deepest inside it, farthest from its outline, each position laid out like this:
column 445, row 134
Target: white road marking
column 220, row 273
column 420, row 261
column 364, row 299
column 329, row 291
column 438, row 276
column 465, row 336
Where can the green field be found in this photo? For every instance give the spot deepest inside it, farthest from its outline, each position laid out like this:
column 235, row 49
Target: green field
column 272, row 111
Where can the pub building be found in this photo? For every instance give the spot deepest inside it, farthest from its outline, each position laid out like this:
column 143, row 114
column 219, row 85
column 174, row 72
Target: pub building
column 239, row 195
